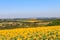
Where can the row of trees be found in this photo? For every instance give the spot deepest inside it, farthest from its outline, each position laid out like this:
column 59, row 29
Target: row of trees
column 54, row 22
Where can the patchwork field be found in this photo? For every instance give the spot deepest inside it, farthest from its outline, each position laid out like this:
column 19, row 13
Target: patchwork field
column 39, row 33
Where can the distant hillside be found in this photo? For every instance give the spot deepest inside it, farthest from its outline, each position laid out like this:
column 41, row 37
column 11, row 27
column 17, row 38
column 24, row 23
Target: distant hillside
column 28, row 22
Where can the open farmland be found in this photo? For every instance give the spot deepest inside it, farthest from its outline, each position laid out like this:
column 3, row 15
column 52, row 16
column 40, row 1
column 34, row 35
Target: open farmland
column 29, row 29
column 39, row 33
column 11, row 24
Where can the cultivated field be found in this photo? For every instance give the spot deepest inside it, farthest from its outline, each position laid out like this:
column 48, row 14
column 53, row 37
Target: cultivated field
column 38, row 33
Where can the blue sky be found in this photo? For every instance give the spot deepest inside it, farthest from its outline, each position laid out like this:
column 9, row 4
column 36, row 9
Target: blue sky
column 29, row 8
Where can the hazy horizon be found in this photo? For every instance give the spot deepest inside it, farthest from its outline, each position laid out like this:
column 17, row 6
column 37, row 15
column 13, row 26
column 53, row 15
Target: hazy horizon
column 29, row 8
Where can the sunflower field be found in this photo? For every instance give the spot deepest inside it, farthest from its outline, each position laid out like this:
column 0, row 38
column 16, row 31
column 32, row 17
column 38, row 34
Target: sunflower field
column 38, row 33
